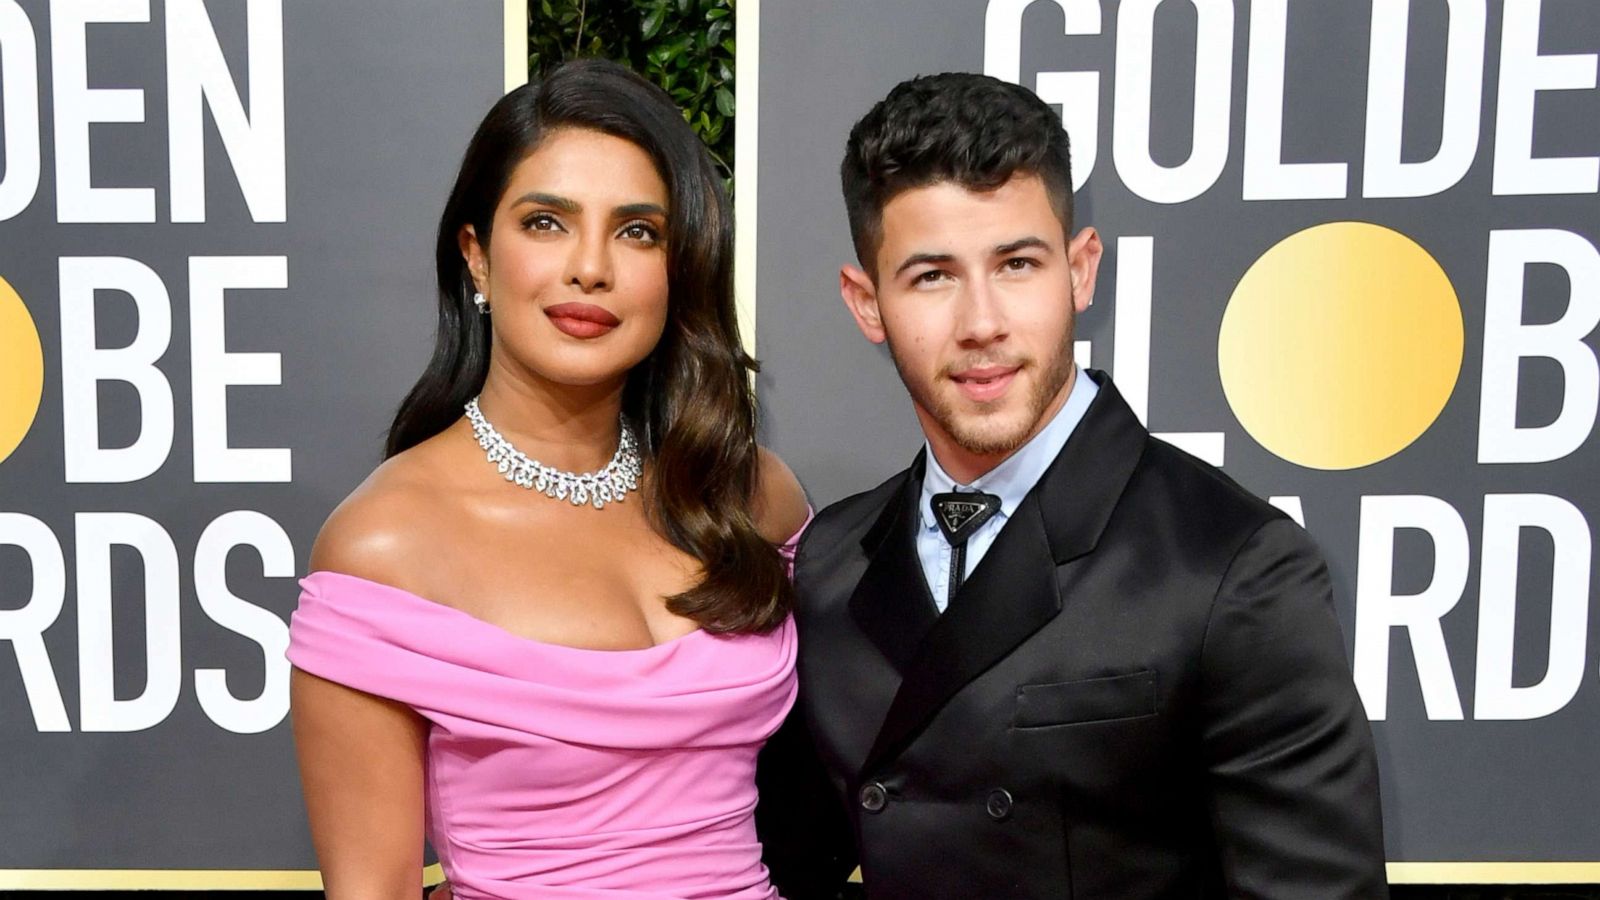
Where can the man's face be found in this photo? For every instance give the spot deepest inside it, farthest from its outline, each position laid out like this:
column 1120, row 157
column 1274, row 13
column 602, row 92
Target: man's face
column 975, row 294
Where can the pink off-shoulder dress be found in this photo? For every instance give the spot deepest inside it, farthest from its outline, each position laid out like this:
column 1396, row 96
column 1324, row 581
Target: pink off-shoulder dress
column 564, row 773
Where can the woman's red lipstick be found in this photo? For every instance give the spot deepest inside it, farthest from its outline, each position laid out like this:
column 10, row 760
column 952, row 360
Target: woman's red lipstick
column 581, row 320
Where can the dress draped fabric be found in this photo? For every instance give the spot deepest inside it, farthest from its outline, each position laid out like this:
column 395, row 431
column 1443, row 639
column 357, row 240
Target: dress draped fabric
column 559, row 772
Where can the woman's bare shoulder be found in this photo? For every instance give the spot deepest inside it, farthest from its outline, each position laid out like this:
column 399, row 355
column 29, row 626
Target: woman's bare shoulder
column 780, row 503
column 384, row 529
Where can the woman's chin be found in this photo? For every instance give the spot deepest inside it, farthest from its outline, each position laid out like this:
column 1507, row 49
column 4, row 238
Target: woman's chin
column 586, row 377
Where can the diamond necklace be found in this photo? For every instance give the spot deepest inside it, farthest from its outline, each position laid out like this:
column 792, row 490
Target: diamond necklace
column 608, row 485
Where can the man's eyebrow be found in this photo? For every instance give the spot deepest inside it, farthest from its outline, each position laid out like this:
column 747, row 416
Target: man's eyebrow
column 920, row 258
column 542, row 199
column 1021, row 244
column 640, row 209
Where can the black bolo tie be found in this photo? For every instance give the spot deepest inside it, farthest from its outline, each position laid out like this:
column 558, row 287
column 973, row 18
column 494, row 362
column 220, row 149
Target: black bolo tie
column 960, row 515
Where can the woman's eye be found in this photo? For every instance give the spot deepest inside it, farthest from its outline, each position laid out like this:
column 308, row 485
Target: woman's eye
column 543, row 222
column 642, row 232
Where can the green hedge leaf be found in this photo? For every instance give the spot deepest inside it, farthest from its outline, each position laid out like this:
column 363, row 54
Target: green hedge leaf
column 653, row 22
column 684, row 46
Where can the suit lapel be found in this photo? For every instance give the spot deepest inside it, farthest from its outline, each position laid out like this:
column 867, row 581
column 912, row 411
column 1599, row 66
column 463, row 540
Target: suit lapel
column 891, row 603
column 1013, row 592
column 1080, row 490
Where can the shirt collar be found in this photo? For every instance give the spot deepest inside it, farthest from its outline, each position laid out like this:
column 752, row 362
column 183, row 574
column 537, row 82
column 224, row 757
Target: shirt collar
column 1019, row 472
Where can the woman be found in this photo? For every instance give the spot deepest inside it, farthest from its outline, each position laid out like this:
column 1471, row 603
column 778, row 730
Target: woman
column 563, row 678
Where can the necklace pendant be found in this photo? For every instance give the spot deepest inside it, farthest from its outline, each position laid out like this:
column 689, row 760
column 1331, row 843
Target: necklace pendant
column 610, row 484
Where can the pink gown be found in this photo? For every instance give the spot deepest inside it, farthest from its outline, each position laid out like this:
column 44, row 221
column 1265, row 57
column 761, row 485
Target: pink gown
column 564, row 773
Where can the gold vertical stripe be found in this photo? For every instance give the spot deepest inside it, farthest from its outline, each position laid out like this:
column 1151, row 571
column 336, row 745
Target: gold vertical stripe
column 158, row 880
column 1494, row 873
column 746, row 128
column 175, row 879
column 516, row 38
column 309, row 880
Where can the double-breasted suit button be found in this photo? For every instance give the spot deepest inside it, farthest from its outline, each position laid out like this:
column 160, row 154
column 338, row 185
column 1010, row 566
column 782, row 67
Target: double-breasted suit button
column 998, row 804
column 873, row 797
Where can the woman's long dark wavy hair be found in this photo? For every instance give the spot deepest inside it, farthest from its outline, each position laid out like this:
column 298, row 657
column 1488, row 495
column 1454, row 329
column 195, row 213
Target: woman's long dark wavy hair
column 690, row 400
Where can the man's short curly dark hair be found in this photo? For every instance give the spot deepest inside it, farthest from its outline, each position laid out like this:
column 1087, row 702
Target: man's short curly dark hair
column 973, row 130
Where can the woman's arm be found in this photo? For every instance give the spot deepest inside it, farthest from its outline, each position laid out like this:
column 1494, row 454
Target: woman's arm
column 779, row 506
column 361, row 763
column 361, row 755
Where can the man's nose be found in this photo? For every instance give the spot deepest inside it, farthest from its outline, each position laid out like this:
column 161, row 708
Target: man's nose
column 980, row 319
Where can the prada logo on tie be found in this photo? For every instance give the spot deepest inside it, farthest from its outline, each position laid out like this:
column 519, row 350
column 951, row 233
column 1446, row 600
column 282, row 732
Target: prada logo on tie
column 959, row 515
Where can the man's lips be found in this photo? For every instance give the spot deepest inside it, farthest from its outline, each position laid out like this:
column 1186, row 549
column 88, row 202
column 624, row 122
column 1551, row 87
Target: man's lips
column 581, row 320
column 984, row 383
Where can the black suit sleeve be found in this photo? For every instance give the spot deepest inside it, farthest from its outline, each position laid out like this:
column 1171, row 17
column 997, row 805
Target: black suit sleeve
column 1291, row 771
column 806, row 839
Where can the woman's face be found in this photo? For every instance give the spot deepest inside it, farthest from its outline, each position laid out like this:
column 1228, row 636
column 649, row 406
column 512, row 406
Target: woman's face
column 576, row 268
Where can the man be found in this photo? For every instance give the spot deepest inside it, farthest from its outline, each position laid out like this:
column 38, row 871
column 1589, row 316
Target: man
column 1055, row 657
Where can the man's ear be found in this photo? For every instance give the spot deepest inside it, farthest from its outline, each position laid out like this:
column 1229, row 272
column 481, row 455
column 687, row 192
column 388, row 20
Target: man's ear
column 861, row 298
column 1083, row 259
column 477, row 261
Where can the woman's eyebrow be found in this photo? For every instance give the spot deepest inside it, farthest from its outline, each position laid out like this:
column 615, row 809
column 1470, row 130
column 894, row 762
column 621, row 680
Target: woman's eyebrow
column 543, row 199
column 640, row 209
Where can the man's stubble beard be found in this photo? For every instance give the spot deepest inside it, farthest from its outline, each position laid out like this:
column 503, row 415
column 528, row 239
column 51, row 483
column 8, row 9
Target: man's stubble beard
column 978, row 434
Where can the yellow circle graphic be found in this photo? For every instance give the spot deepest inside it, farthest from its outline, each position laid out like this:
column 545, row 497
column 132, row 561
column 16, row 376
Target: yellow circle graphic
column 21, row 370
column 1341, row 345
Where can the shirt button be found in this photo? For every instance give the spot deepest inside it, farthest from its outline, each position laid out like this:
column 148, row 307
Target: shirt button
column 873, row 797
column 998, row 804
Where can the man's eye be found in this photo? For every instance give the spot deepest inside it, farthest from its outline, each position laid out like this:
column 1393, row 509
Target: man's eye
column 1018, row 263
column 930, row 276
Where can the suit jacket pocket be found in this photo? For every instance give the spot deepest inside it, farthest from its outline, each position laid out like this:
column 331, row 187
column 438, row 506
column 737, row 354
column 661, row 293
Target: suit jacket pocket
column 1091, row 700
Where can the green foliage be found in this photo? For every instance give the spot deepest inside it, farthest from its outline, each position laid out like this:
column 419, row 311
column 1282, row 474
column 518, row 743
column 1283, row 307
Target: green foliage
column 685, row 46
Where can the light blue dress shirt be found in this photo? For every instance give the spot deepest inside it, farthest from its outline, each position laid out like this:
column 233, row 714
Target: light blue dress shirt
column 1010, row 481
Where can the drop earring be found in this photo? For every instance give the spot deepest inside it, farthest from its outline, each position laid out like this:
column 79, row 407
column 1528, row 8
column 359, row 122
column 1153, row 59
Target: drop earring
column 482, row 303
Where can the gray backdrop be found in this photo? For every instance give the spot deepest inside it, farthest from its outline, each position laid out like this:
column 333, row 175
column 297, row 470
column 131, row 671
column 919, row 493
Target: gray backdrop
column 1454, row 789
column 379, row 99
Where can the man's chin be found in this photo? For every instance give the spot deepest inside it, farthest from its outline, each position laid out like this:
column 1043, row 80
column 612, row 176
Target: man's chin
column 988, row 435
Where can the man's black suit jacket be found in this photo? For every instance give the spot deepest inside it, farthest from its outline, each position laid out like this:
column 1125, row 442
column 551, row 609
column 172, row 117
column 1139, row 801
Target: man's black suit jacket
column 1141, row 691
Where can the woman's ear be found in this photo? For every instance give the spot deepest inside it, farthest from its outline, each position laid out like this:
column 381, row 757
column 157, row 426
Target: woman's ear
column 477, row 261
